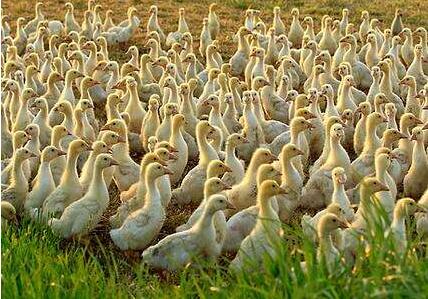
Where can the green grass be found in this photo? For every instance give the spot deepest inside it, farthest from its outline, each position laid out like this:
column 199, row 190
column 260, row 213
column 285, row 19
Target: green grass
column 36, row 264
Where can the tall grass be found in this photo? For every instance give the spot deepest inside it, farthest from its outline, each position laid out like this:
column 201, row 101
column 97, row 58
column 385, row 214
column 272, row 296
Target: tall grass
column 36, row 264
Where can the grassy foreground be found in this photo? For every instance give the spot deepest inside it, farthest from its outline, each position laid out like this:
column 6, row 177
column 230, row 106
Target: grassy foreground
column 36, row 264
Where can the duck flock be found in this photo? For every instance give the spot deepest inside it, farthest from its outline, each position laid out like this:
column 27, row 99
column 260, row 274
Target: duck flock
column 333, row 122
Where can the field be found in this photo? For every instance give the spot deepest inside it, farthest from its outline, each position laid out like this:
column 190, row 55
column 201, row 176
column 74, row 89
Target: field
column 36, row 264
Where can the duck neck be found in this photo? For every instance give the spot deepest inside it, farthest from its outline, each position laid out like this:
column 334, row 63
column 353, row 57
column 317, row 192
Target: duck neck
column 17, row 175
column 206, row 150
column 372, row 141
column 350, row 55
column 419, row 157
column 98, row 185
column 152, row 197
column 70, row 172
column 243, row 45
column 398, row 220
column 385, row 83
column 205, row 221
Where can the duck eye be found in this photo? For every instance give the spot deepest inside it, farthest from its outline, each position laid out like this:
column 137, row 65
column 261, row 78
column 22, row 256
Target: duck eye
column 334, row 220
column 159, row 167
column 52, row 150
column 105, row 159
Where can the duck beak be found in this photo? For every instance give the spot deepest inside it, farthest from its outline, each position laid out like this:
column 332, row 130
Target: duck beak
column 418, row 121
column 227, row 187
column 421, row 208
column 402, row 136
column 272, row 158
column 413, row 138
column 172, row 156
column 163, row 163
column 282, row 191
column 245, row 140
column 299, row 152
column 311, row 115
column 33, row 155
column 106, row 127
column 114, row 162
column 167, row 171
column 311, row 126
column 61, row 153
column 121, row 139
column 227, row 169
column 230, row 206
column 342, row 180
column 344, row 224
column 383, row 187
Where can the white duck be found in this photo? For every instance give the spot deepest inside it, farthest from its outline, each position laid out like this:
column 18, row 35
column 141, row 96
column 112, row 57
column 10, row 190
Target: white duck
column 266, row 234
column 178, row 250
column 83, row 215
column 142, row 226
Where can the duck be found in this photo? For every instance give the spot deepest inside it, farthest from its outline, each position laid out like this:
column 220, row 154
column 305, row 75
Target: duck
column 34, row 146
column 6, row 136
column 153, row 24
column 240, row 59
column 151, row 121
column 266, row 233
column 385, row 199
column 414, row 183
column 412, row 102
column 69, row 188
column 83, row 215
column 407, row 122
column 232, row 161
column 406, row 50
column 16, row 192
column 70, row 23
column 132, row 199
column 295, row 35
column 363, row 165
column 98, row 147
column 360, row 71
column 127, row 172
column 404, row 207
column 422, row 219
column 243, row 195
column 41, row 120
column 416, row 68
column 191, row 188
column 251, row 128
column 364, row 109
column 368, row 188
column 320, row 182
column 213, row 21
column 163, row 132
column 291, row 180
column 339, row 195
column 8, row 214
column 177, row 141
column 23, row 116
column 230, row 115
column 142, row 226
column 215, row 117
column 310, row 224
column 397, row 23
column 195, row 242
column 327, row 41
column 327, row 252
column 19, row 139
column 212, row 186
